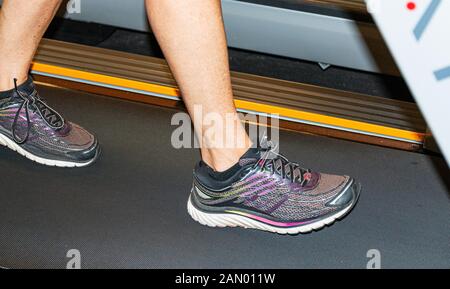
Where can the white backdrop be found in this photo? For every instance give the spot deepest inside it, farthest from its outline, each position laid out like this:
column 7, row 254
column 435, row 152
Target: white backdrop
column 418, row 35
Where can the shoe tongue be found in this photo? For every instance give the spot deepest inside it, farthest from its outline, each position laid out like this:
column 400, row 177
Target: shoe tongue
column 55, row 120
column 27, row 87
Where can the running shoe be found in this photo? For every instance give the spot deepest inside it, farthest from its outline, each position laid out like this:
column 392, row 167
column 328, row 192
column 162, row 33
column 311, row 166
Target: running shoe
column 32, row 128
column 266, row 191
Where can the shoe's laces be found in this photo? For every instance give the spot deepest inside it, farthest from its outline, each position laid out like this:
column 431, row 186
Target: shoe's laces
column 52, row 118
column 277, row 163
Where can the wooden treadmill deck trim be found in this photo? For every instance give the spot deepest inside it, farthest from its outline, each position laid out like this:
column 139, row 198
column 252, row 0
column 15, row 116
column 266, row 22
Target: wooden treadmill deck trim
column 310, row 105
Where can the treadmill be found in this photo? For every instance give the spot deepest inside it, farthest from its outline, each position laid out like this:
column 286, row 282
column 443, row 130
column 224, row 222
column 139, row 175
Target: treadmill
column 350, row 116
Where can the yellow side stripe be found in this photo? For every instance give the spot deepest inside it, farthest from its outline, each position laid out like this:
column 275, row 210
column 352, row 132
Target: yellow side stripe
column 105, row 79
column 240, row 104
column 331, row 120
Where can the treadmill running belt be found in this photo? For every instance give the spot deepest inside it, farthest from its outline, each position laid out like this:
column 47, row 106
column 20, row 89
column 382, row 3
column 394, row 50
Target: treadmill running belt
column 129, row 209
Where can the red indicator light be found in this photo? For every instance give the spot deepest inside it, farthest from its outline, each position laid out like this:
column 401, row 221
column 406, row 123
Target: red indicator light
column 411, row 5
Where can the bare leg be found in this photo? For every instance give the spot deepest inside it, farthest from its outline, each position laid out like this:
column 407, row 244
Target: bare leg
column 22, row 24
column 192, row 36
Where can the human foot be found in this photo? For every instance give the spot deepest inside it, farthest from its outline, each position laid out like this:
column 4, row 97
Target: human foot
column 265, row 191
column 35, row 130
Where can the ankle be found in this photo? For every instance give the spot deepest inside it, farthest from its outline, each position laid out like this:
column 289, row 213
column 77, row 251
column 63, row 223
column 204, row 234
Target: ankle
column 222, row 159
column 7, row 80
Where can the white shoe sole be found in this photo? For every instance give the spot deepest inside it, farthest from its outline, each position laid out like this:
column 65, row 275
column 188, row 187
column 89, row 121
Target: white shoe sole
column 4, row 140
column 222, row 220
